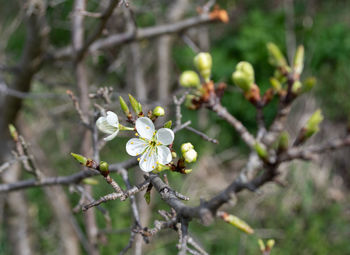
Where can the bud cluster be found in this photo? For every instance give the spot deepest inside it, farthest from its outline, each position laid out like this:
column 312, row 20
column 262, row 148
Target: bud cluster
column 188, row 152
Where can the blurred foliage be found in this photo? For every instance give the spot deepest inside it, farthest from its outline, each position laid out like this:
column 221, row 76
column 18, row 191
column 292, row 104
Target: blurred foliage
column 311, row 228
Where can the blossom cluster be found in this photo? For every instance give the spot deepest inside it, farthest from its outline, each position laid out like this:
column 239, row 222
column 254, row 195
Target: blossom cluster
column 153, row 148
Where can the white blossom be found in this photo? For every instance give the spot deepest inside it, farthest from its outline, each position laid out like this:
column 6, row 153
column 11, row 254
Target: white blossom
column 151, row 145
column 108, row 125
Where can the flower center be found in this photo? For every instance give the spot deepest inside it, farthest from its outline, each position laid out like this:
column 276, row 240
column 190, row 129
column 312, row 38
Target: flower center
column 152, row 143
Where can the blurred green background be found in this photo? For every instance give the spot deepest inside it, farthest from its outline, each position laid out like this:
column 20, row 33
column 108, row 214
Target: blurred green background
column 303, row 217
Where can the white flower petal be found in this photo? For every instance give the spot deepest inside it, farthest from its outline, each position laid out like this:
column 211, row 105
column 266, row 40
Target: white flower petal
column 136, row 146
column 112, row 136
column 104, row 126
column 165, row 136
column 112, row 119
column 164, row 155
column 148, row 161
column 145, row 127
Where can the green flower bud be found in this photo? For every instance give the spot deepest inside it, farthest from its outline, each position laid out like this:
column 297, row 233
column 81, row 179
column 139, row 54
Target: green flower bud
column 299, row 60
column 270, row 243
column 243, row 77
column 186, row 147
column 276, row 57
column 276, row 85
column 308, row 84
column 247, row 69
column 296, row 87
column 203, row 63
column 312, row 125
column 240, row 80
column 103, row 166
column 168, row 124
column 158, row 111
column 190, row 156
column 80, row 158
column 136, row 106
column 261, row 150
column 124, row 106
column 189, row 79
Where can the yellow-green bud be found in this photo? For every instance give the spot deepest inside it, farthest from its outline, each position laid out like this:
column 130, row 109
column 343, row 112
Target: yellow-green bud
column 189, row 79
column 168, row 124
column 158, row 111
column 238, row 223
column 80, row 158
column 276, row 85
column 276, row 57
column 261, row 150
column 243, row 77
column 261, row 245
column 270, row 243
column 186, row 147
column 103, row 166
column 299, row 60
column 247, row 69
column 190, row 156
column 124, row 106
column 308, row 84
column 296, row 87
column 203, row 63
column 13, row 132
column 187, row 171
column 173, row 154
column 312, row 125
column 136, row 106
column 240, row 80
column 90, row 181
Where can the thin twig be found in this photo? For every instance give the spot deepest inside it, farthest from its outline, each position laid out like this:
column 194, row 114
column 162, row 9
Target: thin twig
column 183, row 237
column 121, row 195
column 178, row 102
column 204, row 136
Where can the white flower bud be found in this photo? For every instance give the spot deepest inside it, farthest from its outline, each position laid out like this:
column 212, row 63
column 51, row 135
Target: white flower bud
column 186, row 147
column 190, row 156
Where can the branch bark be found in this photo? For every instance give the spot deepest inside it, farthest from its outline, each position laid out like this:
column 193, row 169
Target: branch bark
column 139, row 34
